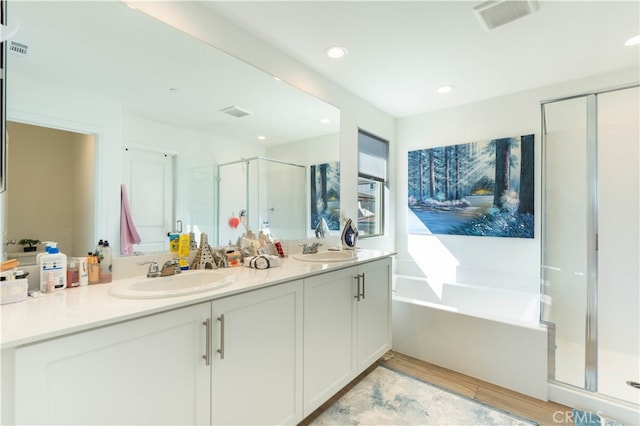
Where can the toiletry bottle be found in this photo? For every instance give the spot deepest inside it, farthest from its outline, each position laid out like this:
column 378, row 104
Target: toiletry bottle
column 93, row 269
column 83, row 271
column 46, row 251
column 98, row 251
column 105, row 263
column 174, row 242
column 183, row 251
column 53, row 269
column 50, row 285
column 73, row 273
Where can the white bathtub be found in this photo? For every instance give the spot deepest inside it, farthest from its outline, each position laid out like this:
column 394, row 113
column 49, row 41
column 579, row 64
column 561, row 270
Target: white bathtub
column 490, row 334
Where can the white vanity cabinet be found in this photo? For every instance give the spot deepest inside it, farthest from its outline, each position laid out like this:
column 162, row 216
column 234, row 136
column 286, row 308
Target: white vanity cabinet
column 374, row 312
column 329, row 335
column 347, row 316
column 144, row 371
column 268, row 355
column 257, row 357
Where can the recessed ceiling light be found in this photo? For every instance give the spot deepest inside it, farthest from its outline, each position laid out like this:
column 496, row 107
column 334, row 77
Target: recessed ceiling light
column 446, row 89
column 633, row 41
column 262, row 138
column 325, row 121
column 337, row 52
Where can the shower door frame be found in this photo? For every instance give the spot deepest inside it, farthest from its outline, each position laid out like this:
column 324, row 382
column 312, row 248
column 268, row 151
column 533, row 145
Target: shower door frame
column 591, row 329
column 249, row 210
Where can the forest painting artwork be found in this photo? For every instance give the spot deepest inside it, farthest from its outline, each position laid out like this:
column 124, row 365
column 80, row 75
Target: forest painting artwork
column 325, row 195
column 480, row 188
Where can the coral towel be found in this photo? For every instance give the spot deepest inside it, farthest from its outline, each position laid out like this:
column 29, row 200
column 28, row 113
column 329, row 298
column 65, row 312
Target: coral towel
column 128, row 233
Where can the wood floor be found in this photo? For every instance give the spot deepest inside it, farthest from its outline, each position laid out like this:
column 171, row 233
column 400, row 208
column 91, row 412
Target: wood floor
column 545, row 413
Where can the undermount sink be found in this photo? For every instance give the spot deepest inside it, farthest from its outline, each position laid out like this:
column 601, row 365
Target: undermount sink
column 327, row 256
column 188, row 282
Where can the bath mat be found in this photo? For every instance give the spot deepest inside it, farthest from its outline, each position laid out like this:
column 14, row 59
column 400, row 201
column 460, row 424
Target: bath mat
column 386, row 397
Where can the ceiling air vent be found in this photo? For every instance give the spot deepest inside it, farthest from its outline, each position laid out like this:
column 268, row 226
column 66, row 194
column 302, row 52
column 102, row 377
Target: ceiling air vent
column 18, row 49
column 236, row 111
column 495, row 13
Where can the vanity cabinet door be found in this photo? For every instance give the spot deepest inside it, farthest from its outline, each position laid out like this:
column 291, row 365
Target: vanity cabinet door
column 329, row 335
column 257, row 357
column 144, row 371
column 374, row 312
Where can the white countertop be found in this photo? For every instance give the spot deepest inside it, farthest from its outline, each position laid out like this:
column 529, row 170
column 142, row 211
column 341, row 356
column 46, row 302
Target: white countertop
column 82, row 308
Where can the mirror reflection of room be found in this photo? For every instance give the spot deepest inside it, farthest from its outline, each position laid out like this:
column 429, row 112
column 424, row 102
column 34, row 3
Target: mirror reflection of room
column 146, row 86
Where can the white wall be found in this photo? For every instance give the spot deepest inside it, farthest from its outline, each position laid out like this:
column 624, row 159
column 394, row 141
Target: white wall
column 505, row 262
column 318, row 150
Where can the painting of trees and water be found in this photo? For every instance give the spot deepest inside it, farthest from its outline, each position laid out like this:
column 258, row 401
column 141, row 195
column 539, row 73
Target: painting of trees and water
column 325, row 195
column 480, row 188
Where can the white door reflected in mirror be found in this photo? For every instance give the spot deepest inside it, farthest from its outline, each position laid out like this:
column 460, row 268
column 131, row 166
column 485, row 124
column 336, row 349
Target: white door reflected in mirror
column 149, row 179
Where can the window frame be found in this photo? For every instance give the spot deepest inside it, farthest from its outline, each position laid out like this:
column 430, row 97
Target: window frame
column 382, row 182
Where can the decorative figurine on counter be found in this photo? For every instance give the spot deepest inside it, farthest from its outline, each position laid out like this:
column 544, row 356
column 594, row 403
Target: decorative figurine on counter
column 349, row 235
column 204, row 257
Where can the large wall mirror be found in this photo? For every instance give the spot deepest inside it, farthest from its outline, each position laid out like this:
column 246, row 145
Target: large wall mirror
column 99, row 95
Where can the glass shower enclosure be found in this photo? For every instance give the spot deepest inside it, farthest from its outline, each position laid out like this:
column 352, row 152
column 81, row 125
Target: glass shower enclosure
column 261, row 193
column 590, row 243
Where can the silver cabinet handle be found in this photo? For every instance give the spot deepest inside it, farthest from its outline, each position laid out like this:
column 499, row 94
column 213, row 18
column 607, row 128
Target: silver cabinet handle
column 207, row 349
column 363, row 288
column 359, row 295
column 221, row 350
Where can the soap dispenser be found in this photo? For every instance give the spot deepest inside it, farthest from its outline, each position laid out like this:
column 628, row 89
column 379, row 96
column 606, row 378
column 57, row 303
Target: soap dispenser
column 53, row 269
column 349, row 235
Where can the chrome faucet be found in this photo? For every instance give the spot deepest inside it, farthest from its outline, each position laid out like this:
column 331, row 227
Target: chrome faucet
column 154, row 271
column 170, row 267
column 313, row 248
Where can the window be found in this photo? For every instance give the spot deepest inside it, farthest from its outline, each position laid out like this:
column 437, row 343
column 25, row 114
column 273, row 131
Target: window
column 373, row 154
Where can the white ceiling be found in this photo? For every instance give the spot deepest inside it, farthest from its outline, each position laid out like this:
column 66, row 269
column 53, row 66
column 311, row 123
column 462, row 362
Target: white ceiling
column 400, row 52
